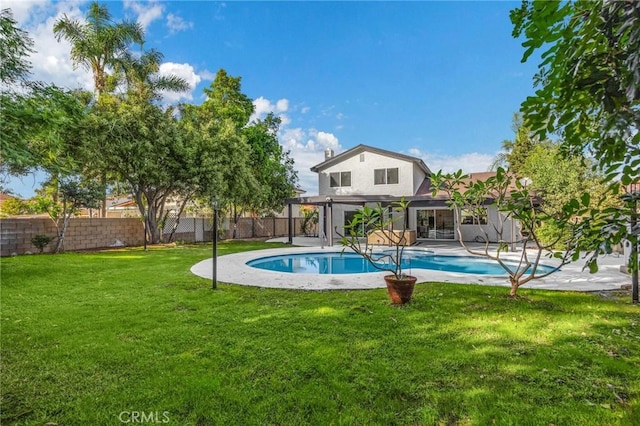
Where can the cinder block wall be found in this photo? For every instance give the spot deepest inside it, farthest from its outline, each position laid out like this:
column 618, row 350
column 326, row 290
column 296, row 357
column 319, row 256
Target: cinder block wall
column 82, row 234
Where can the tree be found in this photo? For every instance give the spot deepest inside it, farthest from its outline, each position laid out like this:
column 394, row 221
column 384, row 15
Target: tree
column 271, row 165
column 141, row 77
column 35, row 117
column 98, row 43
column 37, row 128
column 15, row 46
column 514, row 152
column 221, row 120
column 515, row 201
column 63, row 198
column 588, row 84
column 588, row 92
column 146, row 151
column 556, row 179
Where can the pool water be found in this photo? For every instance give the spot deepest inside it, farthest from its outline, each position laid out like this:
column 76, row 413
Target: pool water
column 353, row 263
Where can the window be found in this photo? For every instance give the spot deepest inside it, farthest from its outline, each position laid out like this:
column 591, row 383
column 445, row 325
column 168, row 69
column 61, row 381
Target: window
column 392, row 176
column 334, row 180
column 385, row 176
column 477, row 216
column 345, row 178
column 337, row 179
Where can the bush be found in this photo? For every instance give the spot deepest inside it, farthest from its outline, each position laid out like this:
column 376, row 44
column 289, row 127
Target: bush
column 41, row 241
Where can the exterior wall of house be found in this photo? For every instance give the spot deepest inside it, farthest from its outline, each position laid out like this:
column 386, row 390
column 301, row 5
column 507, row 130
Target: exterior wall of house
column 418, row 178
column 410, row 178
column 362, row 176
column 471, row 232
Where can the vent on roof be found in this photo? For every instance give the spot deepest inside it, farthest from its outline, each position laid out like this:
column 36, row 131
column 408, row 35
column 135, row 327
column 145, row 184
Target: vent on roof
column 328, row 153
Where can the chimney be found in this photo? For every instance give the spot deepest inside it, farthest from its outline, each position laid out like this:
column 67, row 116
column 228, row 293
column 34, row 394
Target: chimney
column 328, row 153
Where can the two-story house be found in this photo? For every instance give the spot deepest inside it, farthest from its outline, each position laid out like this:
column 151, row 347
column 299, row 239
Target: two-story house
column 367, row 175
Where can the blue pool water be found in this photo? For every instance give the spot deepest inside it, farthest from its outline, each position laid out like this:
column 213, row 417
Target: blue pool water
column 352, row 263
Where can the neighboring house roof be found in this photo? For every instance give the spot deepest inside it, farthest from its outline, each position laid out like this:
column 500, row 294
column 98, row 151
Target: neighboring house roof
column 123, row 204
column 4, row 197
column 425, row 187
column 361, row 148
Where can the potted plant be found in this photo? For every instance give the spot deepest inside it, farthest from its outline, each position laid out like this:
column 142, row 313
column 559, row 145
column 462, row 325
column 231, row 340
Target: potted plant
column 374, row 226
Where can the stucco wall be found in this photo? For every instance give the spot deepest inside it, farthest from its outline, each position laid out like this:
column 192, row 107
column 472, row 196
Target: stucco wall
column 362, row 182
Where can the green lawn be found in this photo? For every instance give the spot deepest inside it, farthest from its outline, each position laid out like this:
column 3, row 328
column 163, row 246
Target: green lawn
column 96, row 338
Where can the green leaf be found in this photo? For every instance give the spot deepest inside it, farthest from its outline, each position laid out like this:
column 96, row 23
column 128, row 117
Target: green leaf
column 586, row 199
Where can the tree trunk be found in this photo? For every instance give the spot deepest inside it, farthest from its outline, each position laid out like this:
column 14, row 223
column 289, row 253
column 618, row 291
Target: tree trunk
column 514, row 287
column 61, row 233
column 152, row 221
column 235, row 221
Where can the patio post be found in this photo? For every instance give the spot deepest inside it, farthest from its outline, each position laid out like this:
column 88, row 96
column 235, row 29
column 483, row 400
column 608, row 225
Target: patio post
column 290, row 222
column 214, row 230
column 329, row 210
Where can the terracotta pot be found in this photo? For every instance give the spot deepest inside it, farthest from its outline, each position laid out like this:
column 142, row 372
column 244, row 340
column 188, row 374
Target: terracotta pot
column 400, row 290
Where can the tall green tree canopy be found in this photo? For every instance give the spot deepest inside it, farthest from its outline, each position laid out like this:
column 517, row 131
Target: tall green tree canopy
column 515, row 152
column 588, row 83
column 271, row 165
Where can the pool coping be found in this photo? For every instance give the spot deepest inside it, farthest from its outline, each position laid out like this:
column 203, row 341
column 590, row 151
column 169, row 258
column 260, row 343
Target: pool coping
column 232, row 268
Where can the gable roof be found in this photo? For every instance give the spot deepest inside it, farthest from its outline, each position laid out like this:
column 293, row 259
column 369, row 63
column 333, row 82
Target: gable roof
column 361, row 148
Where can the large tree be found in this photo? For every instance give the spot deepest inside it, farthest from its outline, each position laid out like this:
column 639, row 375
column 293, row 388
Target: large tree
column 588, row 83
column 271, row 165
column 146, row 151
column 588, row 92
column 513, row 200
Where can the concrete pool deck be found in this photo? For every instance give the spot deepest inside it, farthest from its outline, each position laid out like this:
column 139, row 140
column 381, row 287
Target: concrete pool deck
column 232, row 268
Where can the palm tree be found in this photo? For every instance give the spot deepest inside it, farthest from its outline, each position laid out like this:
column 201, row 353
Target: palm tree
column 142, row 78
column 98, row 43
column 502, row 158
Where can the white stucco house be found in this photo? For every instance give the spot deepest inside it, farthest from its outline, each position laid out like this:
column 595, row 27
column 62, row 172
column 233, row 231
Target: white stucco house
column 365, row 175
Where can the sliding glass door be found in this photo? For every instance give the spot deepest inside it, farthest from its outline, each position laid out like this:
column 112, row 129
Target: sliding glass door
column 435, row 224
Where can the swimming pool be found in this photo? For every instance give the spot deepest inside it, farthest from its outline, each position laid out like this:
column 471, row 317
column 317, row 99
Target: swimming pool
column 352, row 263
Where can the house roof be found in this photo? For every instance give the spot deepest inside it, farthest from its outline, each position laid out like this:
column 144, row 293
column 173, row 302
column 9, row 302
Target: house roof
column 4, row 197
column 425, row 186
column 361, row 148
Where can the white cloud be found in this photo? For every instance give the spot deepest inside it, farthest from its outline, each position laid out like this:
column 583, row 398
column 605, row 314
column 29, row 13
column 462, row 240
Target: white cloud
column 307, row 149
column 468, row 162
column 147, row 12
column 207, row 75
column 263, row 106
column 305, row 109
column 282, row 105
column 176, row 24
column 26, row 11
column 51, row 62
column 184, row 71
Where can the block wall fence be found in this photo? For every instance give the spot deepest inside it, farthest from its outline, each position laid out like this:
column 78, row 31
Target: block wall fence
column 98, row 233
column 82, row 234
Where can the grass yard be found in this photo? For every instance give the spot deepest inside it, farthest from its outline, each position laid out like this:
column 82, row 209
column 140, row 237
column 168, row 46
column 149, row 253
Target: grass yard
column 107, row 337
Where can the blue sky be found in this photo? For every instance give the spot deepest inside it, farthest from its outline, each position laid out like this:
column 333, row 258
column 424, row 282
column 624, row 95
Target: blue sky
column 437, row 80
